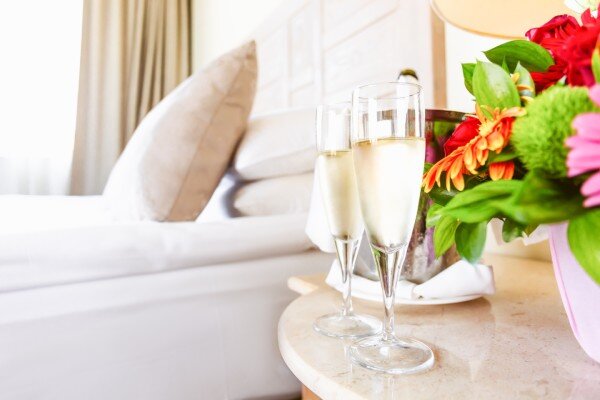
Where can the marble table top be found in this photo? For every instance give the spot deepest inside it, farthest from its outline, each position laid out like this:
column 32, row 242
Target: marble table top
column 516, row 344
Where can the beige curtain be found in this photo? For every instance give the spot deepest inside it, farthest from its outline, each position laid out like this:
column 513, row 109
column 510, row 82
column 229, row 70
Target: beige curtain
column 133, row 53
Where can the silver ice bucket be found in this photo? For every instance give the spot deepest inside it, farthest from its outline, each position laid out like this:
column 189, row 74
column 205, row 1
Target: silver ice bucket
column 421, row 263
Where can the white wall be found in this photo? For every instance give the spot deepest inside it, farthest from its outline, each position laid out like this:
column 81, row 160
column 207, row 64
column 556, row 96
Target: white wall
column 461, row 47
column 220, row 25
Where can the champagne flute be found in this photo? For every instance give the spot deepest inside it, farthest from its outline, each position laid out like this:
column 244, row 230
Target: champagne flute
column 335, row 170
column 388, row 148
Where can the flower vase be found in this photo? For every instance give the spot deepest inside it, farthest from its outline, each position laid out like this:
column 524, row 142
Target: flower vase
column 580, row 294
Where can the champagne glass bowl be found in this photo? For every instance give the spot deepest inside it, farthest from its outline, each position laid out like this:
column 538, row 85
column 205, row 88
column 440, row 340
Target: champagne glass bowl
column 388, row 149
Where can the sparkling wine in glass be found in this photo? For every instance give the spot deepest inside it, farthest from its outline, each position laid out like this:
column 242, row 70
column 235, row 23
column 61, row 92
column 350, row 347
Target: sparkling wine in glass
column 389, row 152
column 335, row 169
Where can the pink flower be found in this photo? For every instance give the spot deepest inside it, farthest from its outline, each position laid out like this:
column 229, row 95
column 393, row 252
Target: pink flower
column 585, row 151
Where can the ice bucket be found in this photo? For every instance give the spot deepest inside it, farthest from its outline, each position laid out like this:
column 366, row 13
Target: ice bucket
column 421, row 263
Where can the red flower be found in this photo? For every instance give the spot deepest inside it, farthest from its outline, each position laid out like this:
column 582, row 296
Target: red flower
column 559, row 27
column 571, row 45
column 462, row 135
column 578, row 49
column 543, row 80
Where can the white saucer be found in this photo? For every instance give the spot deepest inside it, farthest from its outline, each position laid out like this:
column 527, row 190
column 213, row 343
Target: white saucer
column 447, row 300
column 421, row 302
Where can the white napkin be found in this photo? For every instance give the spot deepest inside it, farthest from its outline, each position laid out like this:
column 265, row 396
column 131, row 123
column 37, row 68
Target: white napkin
column 317, row 229
column 460, row 279
column 538, row 235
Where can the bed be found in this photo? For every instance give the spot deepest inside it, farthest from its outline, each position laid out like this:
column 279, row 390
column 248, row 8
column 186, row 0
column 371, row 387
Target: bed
column 91, row 308
column 69, row 240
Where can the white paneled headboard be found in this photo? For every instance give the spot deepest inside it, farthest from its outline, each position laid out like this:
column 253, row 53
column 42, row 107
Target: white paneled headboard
column 310, row 51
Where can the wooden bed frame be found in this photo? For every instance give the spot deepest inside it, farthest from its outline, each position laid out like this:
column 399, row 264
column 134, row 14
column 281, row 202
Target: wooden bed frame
column 313, row 51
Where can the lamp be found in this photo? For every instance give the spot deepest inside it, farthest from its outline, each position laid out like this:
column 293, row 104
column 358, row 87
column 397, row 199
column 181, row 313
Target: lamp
column 508, row 19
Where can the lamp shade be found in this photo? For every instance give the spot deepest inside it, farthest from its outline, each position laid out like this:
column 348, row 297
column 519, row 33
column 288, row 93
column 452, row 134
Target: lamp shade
column 499, row 18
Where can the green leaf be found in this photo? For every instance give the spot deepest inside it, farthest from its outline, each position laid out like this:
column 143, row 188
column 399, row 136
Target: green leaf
column 441, row 196
column 467, row 69
column 443, row 235
column 531, row 55
column 525, row 79
column 442, row 129
column 493, row 87
column 582, row 234
column 530, row 228
column 595, row 64
column 511, row 230
column 506, row 155
column 504, row 65
column 427, row 167
column 433, row 215
column 482, row 202
column 470, row 240
column 543, row 201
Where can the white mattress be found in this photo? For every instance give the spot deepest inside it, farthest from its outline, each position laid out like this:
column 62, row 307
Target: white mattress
column 58, row 240
column 199, row 333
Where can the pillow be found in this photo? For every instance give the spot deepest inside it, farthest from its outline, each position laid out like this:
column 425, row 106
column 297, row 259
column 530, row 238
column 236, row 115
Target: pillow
column 182, row 148
column 277, row 144
column 220, row 205
column 283, row 195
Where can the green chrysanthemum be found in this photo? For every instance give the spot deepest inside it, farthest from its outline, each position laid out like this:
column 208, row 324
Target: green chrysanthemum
column 539, row 136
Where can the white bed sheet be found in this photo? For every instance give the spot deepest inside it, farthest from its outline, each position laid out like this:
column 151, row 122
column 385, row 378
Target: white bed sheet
column 23, row 213
column 84, row 313
column 60, row 240
column 199, row 333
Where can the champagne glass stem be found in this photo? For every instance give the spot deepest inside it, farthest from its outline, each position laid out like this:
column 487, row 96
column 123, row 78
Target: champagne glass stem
column 389, row 263
column 347, row 251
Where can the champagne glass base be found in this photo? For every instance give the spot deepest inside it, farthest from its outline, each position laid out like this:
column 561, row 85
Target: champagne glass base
column 393, row 356
column 347, row 326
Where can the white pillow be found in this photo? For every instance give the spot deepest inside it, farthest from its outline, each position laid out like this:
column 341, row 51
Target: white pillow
column 277, row 144
column 283, row 195
column 181, row 149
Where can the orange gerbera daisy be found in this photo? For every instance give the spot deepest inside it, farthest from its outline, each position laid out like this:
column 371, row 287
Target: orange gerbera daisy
column 490, row 134
column 501, row 170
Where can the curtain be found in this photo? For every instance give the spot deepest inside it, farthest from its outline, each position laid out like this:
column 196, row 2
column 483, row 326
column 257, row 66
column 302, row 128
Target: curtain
column 133, row 53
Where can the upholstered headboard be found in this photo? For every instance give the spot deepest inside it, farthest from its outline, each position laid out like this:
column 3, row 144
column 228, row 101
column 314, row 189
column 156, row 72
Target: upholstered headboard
column 311, row 51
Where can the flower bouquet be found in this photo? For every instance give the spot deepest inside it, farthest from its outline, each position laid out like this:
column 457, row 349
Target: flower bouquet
column 530, row 152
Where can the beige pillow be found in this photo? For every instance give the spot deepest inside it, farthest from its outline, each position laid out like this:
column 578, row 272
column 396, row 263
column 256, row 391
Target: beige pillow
column 275, row 196
column 181, row 149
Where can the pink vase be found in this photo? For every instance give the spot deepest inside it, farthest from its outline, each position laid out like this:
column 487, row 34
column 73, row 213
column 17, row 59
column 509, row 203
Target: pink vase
column 580, row 294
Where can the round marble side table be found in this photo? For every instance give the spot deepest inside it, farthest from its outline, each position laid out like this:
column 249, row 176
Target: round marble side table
column 515, row 344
